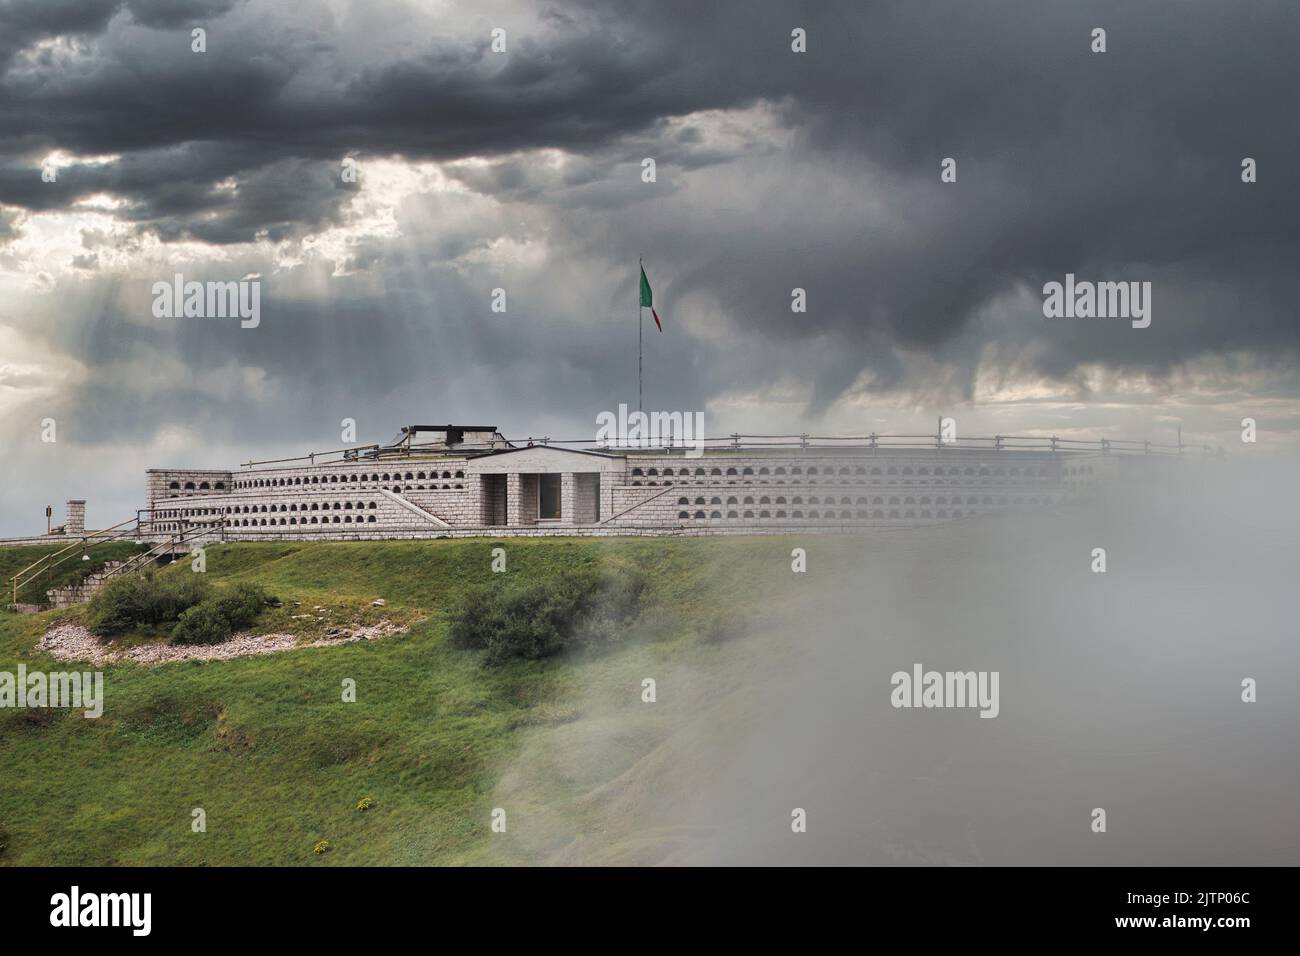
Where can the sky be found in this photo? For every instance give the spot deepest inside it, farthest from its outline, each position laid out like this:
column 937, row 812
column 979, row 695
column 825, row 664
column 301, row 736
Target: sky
column 523, row 170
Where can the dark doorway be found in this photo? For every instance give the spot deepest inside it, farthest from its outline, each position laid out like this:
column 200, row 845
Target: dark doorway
column 548, row 497
column 494, row 499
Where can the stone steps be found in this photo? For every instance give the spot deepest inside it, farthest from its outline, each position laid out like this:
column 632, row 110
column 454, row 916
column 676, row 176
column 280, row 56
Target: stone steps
column 71, row 594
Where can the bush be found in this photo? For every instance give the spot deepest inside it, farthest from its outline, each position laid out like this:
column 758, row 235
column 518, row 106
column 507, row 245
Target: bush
column 142, row 600
column 575, row 609
column 720, row 628
column 215, row 618
column 201, row 624
column 242, row 603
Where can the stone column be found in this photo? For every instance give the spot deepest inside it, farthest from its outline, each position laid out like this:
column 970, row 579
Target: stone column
column 512, row 500
column 76, row 520
column 606, row 497
column 568, row 496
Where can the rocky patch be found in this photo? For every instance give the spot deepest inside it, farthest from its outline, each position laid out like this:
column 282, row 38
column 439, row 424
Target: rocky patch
column 72, row 642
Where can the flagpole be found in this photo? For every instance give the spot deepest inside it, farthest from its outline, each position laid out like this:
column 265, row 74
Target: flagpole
column 640, row 321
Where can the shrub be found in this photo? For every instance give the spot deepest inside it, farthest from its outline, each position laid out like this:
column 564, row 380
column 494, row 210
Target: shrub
column 202, row 624
column 242, row 603
column 615, row 605
column 723, row 627
column 215, row 618
column 142, row 600
column 575, row 609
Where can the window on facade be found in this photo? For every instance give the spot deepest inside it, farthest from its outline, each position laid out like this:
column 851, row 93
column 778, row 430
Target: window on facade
column 548, row 496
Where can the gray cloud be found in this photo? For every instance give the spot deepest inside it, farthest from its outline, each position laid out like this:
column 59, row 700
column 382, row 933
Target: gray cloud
column 776, row 171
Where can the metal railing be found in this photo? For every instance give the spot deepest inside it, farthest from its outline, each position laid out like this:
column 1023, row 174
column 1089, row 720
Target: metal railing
column 738, row 442
column 49, row 562
column 174, row 541
column 118, row 532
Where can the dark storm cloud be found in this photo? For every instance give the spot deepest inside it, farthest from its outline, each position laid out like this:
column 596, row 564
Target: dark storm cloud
column 179, row 193
column 176, row 13
column 23, row 22
column 1123, row 165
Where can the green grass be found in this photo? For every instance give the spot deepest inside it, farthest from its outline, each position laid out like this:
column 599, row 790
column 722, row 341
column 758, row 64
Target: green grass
column 266, row 746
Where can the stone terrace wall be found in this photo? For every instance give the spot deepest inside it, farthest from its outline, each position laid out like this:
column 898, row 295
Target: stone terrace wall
column 436, row 485
column 291, row 508
column 724, row 493
column 887, row 486
column 455, row 506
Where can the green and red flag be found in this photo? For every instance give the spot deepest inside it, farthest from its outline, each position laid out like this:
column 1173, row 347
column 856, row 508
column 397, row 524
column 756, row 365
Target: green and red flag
column 648, row 300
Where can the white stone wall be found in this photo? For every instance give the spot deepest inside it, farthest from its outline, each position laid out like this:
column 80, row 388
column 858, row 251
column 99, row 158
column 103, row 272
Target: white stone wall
column 434, row 484
column 543, row 459
column 725, row 493
column 309, row 509
column 419, row 474
column 883, row 487
column 458, row 506
column 163, row 485
column 1080, row 473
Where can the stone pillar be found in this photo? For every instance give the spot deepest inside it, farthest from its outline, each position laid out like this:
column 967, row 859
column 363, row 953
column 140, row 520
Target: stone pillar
column 512, row 500
column 76, row 520
column 568, row 497
column 528, row 499
column 606, row 498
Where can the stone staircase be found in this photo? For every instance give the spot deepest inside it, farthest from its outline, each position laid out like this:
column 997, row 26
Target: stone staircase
column 71, row 594
column 166, row 550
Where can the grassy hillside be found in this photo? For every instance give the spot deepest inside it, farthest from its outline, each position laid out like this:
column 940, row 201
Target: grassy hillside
column 266, row 746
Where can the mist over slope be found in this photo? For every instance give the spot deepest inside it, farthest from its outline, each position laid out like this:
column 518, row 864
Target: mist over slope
column 1119, row 690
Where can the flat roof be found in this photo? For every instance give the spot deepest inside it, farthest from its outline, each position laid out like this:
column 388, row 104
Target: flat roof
column 443, row 428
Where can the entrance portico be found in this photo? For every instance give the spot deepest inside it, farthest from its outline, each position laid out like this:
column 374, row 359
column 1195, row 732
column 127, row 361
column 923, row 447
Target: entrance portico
column 544, row 486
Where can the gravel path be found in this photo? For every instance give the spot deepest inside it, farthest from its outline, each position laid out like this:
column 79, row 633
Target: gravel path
column 72, row 642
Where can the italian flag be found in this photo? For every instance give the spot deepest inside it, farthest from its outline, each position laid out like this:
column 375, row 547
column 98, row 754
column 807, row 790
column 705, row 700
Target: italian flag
column 648, row 299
